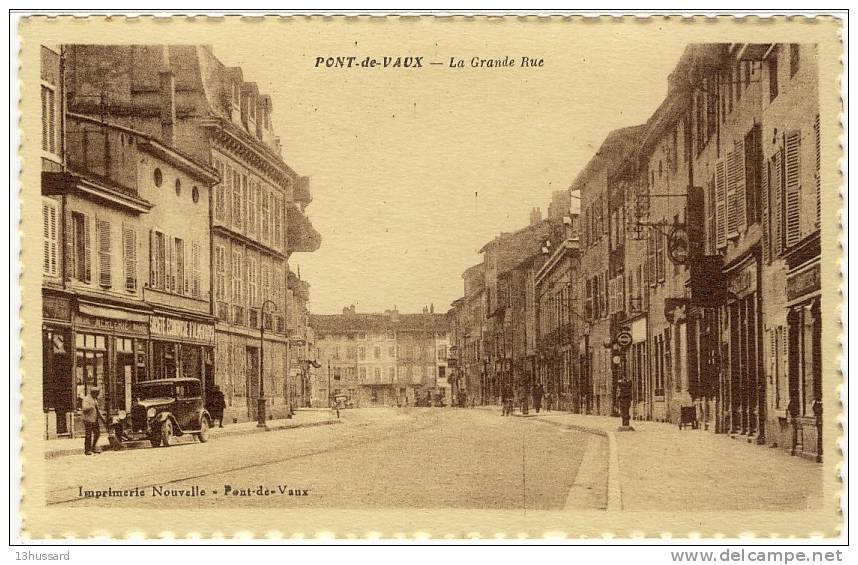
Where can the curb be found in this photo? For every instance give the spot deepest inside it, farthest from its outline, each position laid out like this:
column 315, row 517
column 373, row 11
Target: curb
column 615, row 494
column 55, row 453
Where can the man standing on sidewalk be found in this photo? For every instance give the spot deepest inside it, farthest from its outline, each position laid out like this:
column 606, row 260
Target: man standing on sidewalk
column 91, row 417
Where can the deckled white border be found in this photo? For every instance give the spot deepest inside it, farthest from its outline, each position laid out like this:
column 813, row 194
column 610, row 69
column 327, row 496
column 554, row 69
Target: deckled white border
column 398, row 8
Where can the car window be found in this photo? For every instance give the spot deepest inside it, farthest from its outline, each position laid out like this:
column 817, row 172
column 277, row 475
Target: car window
column 181, row 391
column 154, row 391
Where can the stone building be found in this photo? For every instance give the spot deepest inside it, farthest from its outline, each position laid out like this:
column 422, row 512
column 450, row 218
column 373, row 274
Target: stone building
column 597, row 272
column 187, row 99
column 382, row 359
column 126, row 293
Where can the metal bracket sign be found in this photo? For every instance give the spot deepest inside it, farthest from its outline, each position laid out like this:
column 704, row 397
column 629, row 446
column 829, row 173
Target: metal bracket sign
column 623, row 339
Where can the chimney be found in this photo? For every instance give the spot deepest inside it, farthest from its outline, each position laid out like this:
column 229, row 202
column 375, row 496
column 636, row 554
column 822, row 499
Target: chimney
column 535, row 216
column 352, row 309
column 346, row 311
column 168, row 105
column 394, row 315
column 432, row 308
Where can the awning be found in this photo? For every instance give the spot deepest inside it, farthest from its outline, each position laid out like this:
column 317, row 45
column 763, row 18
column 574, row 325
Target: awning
column 112, row 313
column 302, row 236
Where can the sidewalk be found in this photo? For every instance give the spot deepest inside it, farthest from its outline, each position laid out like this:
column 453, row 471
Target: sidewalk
column 661, row 467
column 302, row 419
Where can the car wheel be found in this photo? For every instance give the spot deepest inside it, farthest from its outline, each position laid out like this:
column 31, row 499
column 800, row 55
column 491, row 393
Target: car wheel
column 203, row 434
column 167, row 437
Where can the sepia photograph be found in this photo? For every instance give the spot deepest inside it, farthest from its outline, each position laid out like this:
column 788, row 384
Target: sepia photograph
column 434, row 277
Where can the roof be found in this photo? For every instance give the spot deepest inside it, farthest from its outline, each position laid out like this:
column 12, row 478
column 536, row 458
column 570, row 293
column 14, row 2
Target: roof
column 347, row 323
column 617, row 146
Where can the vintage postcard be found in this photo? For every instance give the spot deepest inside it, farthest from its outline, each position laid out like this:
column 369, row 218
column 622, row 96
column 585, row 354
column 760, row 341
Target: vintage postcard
column 441, row 277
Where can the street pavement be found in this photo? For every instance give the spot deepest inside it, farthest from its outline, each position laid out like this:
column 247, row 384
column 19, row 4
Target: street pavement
column 376, row 458
column 663, row 468
column 456, row 459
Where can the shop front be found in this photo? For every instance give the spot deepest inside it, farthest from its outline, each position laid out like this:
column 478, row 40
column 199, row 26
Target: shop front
column 744, row 384
column 182, row 347
column 58, row 400
column 89, row 346
column 804, row 327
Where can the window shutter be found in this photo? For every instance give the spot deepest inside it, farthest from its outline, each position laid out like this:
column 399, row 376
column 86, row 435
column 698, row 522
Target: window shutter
column 792, row 188
column 170, row 269
column 720, row 204
column 50, row 239
column 767, row 236
column 732, row 197
column 129, row 253
column 817, row 177
column 196, row 269
column 87, row 254
column 153, row 260
column 102, row 229
column 186, row 270
column 777, row 203
column 740, row 185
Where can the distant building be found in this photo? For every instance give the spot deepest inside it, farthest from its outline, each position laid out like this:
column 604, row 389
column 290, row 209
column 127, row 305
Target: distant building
column 386, row 359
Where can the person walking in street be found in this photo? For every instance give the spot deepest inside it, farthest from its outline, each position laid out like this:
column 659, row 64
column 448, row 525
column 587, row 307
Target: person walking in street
column 216, row 405
column 91, row 418
column 546, row 398
column 506, row 401
column 537, row 397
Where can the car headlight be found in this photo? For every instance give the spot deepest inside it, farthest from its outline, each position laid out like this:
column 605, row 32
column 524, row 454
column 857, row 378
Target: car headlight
column 150, row 413
column 121, row 414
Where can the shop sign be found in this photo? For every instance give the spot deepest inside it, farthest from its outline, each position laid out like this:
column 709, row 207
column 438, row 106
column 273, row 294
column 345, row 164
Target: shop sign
column 56, row 308
column 745, row 281
column 803, row 283
column 183, row 330
column 110, row 325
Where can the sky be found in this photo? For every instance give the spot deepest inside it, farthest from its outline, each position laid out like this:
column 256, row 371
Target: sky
column 413, row 170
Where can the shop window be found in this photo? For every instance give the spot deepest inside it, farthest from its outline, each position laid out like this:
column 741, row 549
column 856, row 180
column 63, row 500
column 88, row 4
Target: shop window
column 91, row 364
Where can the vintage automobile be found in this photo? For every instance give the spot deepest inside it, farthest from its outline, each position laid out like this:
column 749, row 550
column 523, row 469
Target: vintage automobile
column 165, row 409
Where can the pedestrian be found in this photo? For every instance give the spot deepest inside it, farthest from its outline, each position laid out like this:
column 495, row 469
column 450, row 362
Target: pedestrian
column 216, row 404
column 537, row 396
column 547, row 400
column 91, row 417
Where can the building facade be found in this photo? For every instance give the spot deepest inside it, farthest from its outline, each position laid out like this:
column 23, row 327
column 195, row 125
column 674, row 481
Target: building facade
column 387, row 359
column 187, row 99
column 126, row 283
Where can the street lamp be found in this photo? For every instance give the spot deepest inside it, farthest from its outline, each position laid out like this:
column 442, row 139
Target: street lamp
column 261, row 421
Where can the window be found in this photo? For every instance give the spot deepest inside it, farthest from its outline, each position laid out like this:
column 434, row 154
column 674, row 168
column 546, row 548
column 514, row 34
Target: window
column 50, row 119
column 252, row 275
column 220, row 272
column 794, row 58
column 278, row 214
column 129, row 255
column 81, row 243
column 391, row 352
column 178, row 187
column 252, row 197
column 158, row 177
column 196, row 289
column 442, row 352
column 377, row 374
column 50, row 241
column 792, row 187
column 157, row 260
column 220, row 197
column 773, row 75
column 237, row 200
column 195, row 194
column 266, row 282
column 181, row 280
column 376, row 353
column 237, row 282
column 263, row 214
column 361, row 353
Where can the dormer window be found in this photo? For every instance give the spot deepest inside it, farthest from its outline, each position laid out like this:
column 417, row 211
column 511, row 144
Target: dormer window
column 251, row 108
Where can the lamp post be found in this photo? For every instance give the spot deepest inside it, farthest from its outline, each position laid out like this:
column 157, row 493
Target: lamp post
column 261, row 420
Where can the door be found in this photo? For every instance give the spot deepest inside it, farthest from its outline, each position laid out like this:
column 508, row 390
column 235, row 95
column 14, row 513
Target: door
column 252, row 380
